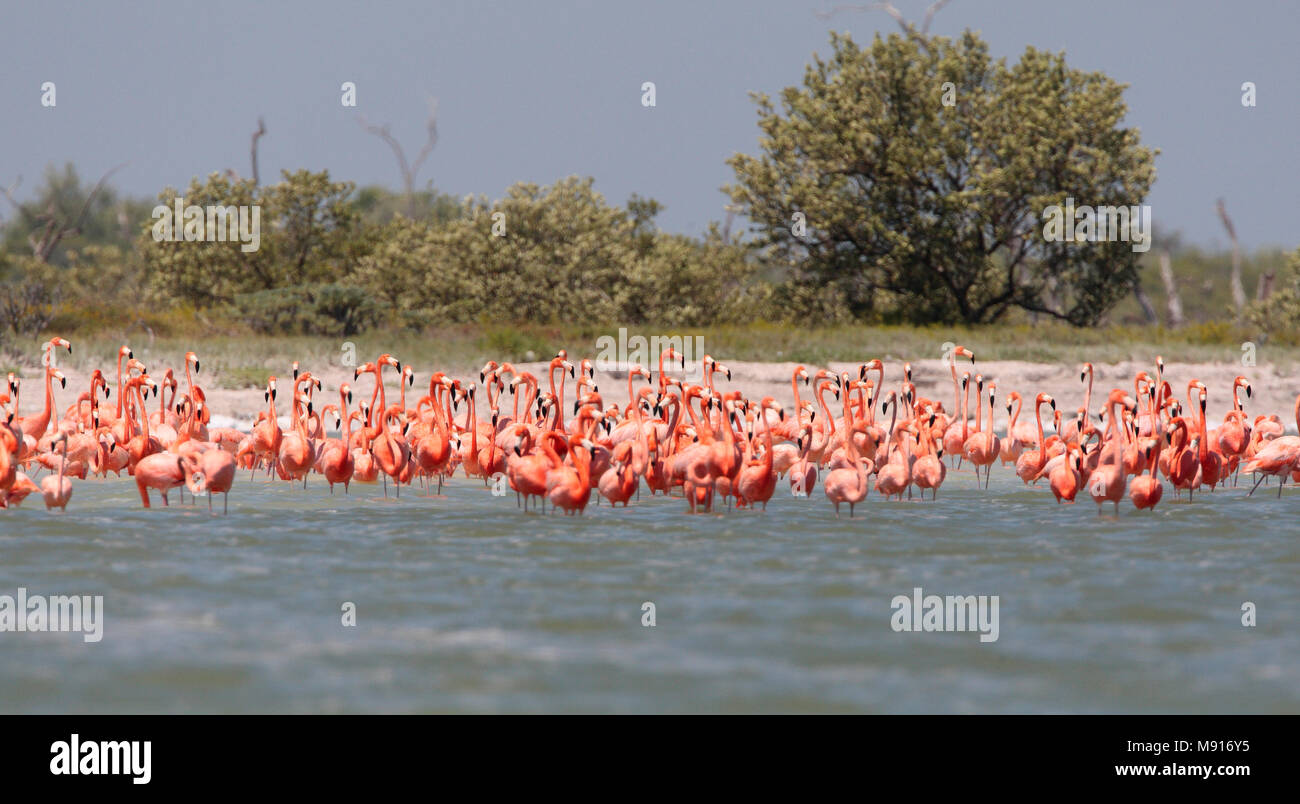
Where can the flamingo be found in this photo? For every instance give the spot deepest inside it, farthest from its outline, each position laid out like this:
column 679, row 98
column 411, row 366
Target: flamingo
column 847, row 484
column 57, row 491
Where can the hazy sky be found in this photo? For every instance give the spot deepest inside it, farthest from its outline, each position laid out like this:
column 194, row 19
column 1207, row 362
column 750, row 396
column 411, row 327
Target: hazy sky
column 539, row 90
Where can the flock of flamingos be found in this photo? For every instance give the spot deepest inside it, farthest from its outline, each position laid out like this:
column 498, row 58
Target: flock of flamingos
column 713, row 444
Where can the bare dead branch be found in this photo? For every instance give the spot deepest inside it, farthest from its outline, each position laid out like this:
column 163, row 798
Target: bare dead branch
column 257, row 135
column 1238, row 292
column 1172, row 300
column 1264, row 288
column 431, row 132
column 408, row 170
column 892, row 11
column 56, row 230
column 934, row 8
column 888, row 8
column 1144, row 301
column 9, row 193
column 30, row 218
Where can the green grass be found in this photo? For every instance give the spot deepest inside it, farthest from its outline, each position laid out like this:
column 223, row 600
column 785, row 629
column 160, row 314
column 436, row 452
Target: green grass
column 240, row 376
column 236, row 360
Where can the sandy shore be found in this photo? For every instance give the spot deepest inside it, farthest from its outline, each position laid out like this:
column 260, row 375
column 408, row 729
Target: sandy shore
column 1274, row 391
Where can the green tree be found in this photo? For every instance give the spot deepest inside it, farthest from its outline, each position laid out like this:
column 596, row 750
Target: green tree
column 1279, row 315
column 310, row 232
column 67, row 214
column 922, row 168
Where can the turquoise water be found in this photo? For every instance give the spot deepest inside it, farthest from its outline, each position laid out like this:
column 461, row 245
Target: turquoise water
column 466, row 604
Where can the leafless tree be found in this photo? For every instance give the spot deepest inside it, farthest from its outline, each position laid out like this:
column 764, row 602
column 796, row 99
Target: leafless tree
column 257, row 135
column 1144, row 301
column 1172, row 300
column 1238, row 292
column 411, row 169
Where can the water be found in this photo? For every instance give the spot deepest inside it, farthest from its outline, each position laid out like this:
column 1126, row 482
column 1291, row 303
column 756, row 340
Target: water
column 466, row 604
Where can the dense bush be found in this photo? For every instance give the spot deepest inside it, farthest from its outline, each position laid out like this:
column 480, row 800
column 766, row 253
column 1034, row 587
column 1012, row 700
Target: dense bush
column 559, row 253
column 315, row 309
column 310, row 231
column 1279, row 315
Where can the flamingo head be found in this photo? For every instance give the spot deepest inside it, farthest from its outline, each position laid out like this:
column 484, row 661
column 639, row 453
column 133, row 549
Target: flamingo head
column 1241, row 382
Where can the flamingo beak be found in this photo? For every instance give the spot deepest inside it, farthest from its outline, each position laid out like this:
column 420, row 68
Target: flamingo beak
column 1053, row 404
column 1248, row 392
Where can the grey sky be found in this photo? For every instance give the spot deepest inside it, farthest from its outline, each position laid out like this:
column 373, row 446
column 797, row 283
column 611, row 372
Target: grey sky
column 536, row 91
